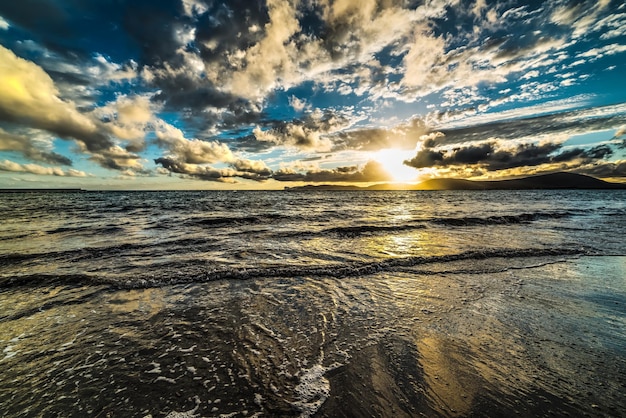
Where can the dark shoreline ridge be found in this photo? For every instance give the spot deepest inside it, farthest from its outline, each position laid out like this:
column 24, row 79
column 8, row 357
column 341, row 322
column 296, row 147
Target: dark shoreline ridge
column 41, row 190
column 560, row 180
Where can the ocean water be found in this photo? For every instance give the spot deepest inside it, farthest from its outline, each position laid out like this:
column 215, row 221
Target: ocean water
column 290, row 303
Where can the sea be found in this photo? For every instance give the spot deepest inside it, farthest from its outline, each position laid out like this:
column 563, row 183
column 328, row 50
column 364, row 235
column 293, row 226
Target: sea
column 313, row 303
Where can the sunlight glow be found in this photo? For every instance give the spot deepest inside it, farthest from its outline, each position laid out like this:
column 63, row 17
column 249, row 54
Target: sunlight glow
column 392, row 161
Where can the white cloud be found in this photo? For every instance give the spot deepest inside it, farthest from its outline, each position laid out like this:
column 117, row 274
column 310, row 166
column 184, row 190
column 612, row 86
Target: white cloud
column 4, row 25
column 424, row 62
column 29, row 95
column 298, row 104
column 11, row 166
column 530, row 74
column 191, row 151
column 128, row 118
column 597, row 53
column 297, row 136
column 554, row 106
column 270, row 60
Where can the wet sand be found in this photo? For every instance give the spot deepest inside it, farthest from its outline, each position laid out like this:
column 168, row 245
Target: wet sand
column 544, row 340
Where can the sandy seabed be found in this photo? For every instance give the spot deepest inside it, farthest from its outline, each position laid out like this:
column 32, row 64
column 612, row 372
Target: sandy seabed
column 544, row 339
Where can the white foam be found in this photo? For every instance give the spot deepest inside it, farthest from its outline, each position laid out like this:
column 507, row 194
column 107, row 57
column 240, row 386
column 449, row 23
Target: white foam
column 8, row 352
column 312, row 390
column 156, row 368
column 186, row 414
column 165, row 379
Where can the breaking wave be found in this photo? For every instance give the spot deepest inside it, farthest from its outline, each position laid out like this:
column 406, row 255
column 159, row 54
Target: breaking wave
column 197, row 272
column 502, row 219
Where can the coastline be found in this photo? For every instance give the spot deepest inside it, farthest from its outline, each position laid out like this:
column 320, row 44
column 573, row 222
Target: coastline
column 544, row 339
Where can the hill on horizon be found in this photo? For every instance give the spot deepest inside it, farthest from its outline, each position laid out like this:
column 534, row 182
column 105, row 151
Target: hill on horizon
column 560, row 180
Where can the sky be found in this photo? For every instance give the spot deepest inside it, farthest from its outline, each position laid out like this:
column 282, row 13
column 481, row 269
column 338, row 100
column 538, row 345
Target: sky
column 244, row 94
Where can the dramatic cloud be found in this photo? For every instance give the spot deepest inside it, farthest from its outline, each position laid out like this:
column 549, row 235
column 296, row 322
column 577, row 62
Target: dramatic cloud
column 497, row 156
column 255, row 170
column 196, row 171
column 239, row 90
column 128, row 119
column 402, row 136
column 554, row 124
column 30, row 97
column 316, row 131
column 11, row 166
column 370, row 172
column 30, row 149
column 192, row 151
column 604, row 169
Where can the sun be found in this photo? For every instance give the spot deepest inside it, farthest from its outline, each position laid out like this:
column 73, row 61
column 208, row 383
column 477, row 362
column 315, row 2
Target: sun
column 392, row 160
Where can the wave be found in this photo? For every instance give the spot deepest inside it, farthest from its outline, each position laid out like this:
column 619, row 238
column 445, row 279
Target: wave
column 227, row 220
column 198, row 272
column 354, row 231
column 92, row 253
column 416, row 224
column 105, row 230
column 501, row 219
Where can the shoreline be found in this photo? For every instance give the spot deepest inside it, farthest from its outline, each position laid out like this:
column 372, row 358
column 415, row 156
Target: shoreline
column 538, row 341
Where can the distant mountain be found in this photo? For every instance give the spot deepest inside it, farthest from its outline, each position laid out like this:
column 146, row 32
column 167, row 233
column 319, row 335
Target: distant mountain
column 545, row 181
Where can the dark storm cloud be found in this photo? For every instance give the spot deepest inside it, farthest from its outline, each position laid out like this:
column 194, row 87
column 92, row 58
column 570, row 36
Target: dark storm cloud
column 255, row 168
column 113, row 161
column 47, row 157
column 182, row 93
column 249, row 143
column 39, row 16
column 171, row 164
column 258, row 171
column 199, row 172
column 370, row 172
column 152, row 25
column 210, row 34
column 231, row 26
column 598, row 152
column 494, row 156
column 236, row 115
column 604, row 169
column 243, row 169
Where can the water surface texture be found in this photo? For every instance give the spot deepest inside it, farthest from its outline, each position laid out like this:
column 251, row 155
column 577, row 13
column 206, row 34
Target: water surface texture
column 199, row 304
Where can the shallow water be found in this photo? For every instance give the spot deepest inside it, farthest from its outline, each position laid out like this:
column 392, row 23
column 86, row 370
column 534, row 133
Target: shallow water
column 325, row 304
